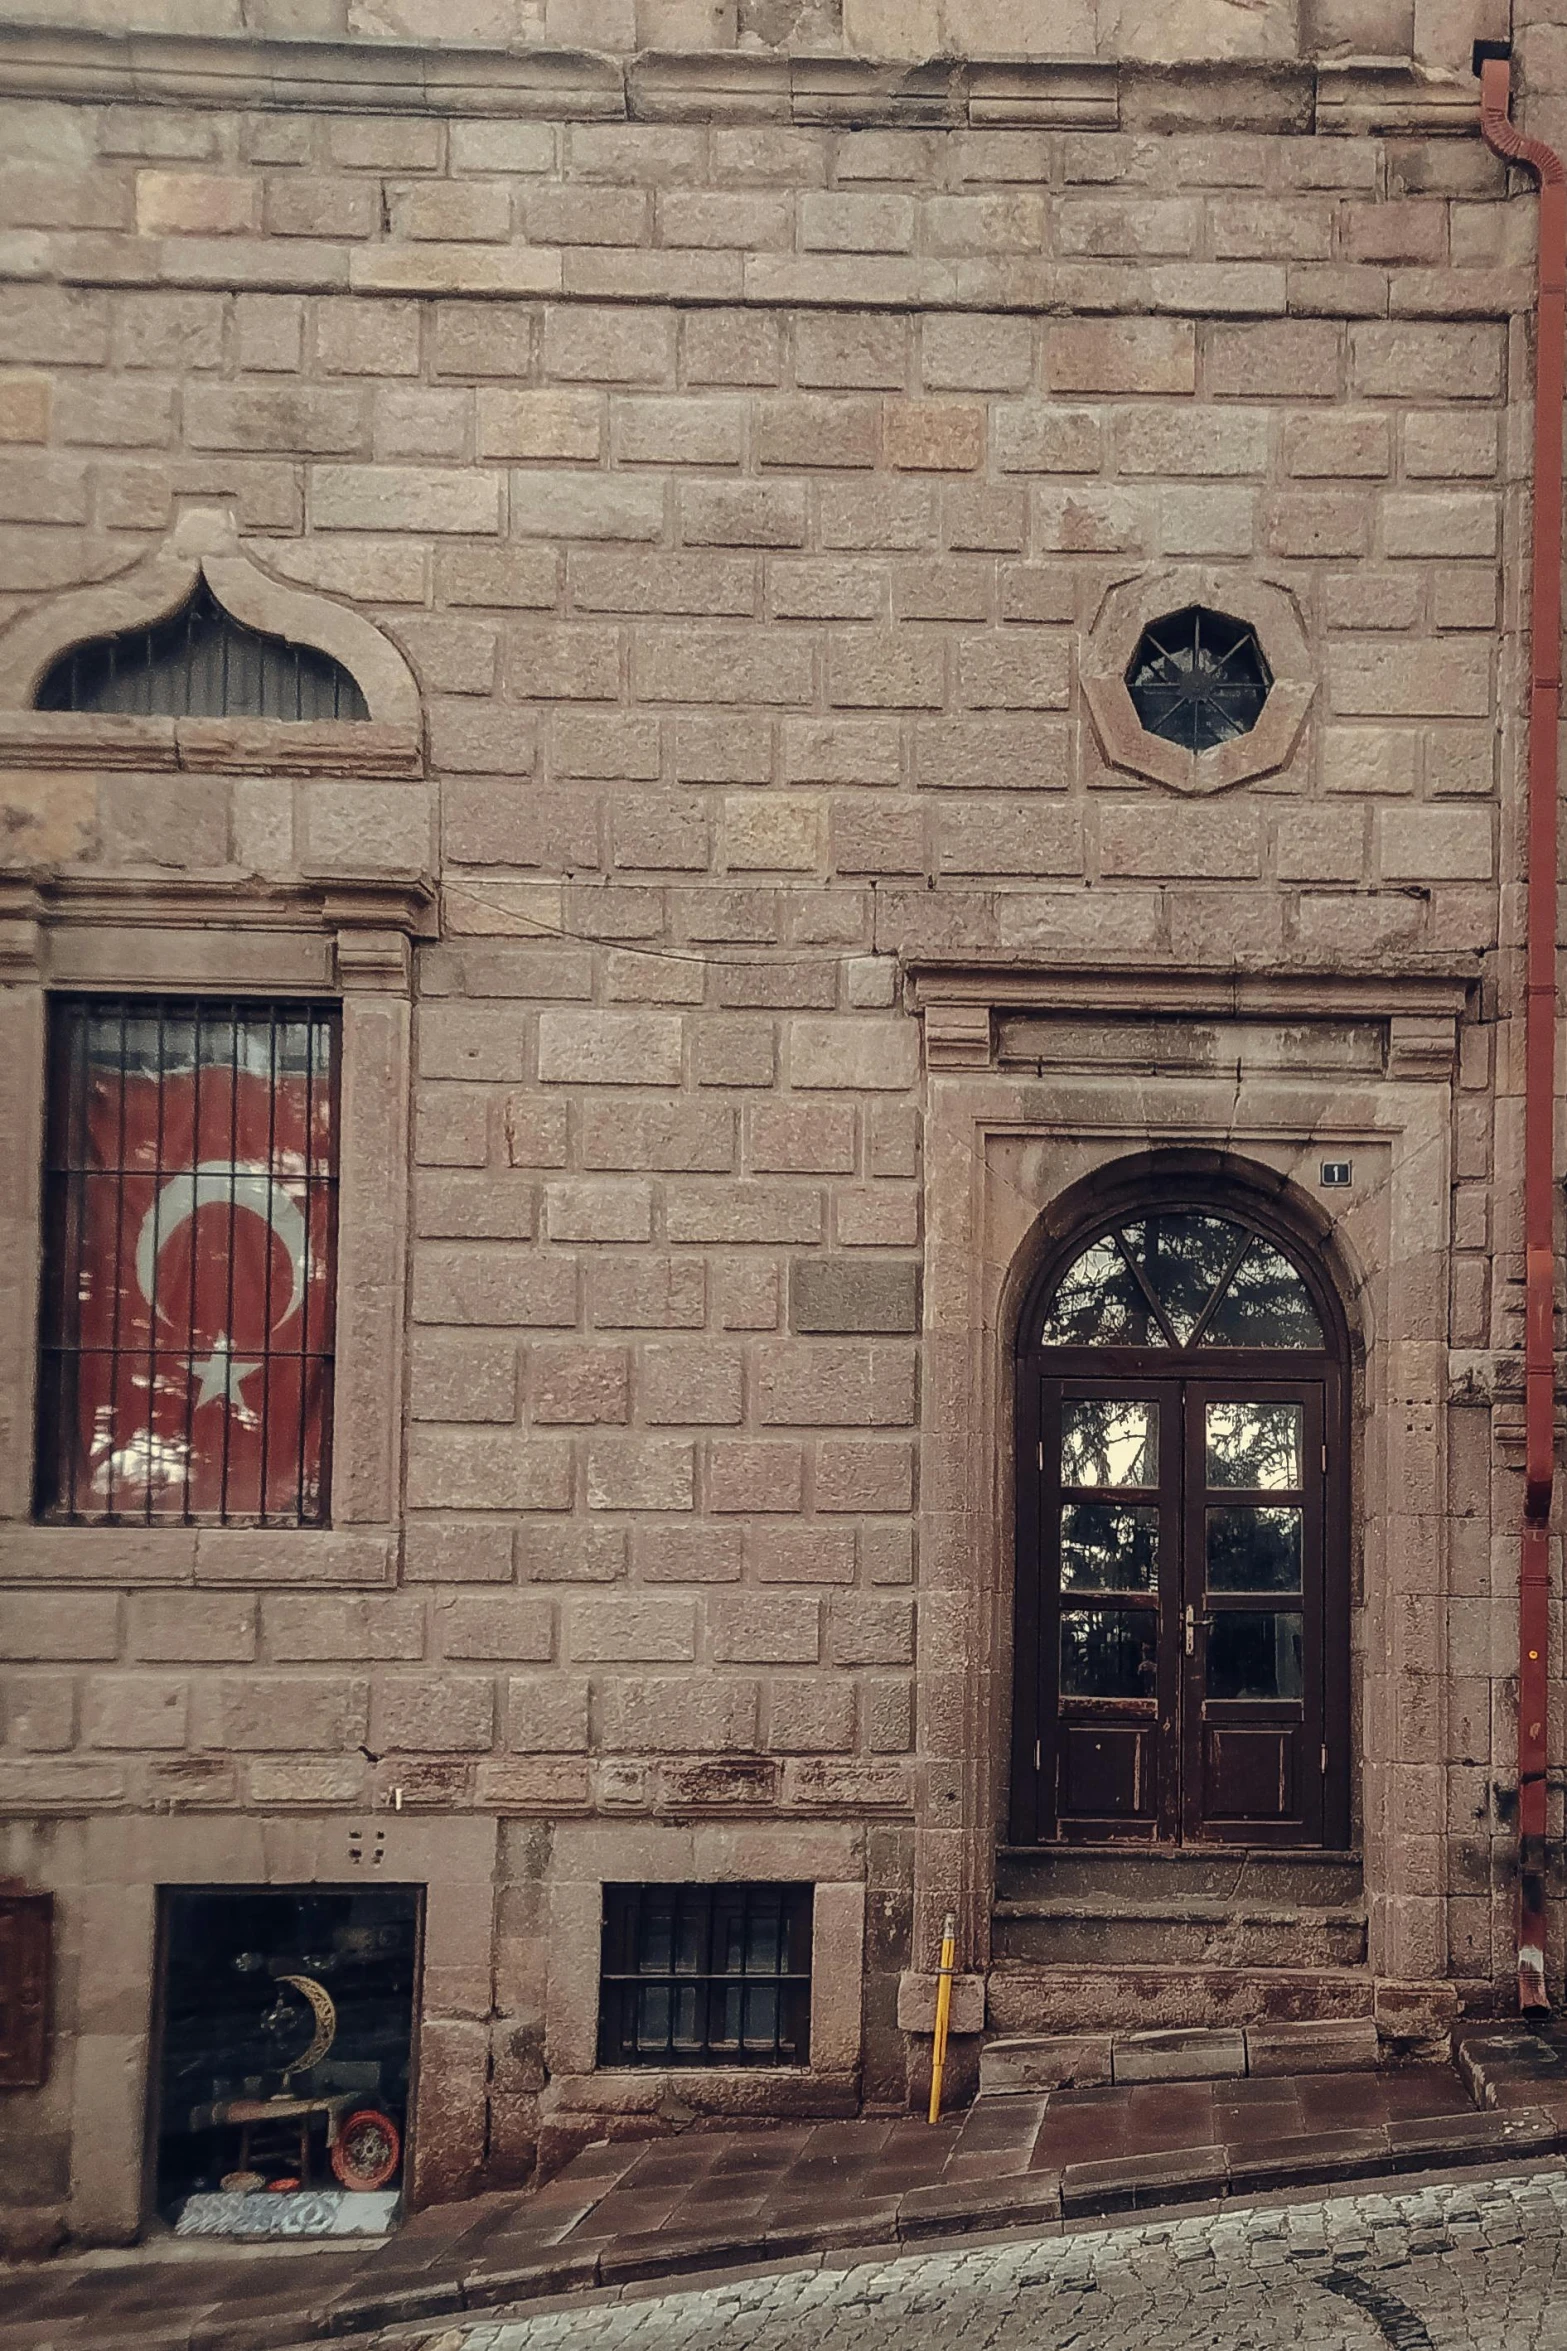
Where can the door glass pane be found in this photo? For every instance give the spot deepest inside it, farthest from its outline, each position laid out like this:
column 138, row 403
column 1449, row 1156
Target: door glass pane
column 1255, row 1445
column 1184, row 1258
column 1109, row 1653
column 1106, row 1441
column 1254, row 1547
column 1099, row 1302
column 1254, row 1653
column 1266, row 1305
column 1106, row 1547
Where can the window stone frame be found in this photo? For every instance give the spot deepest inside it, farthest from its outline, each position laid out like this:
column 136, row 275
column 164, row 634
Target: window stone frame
column 1113, row 636
column 334, row 938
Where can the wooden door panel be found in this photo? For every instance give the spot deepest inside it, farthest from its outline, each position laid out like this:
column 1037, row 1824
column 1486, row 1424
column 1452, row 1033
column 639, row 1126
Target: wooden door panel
column 1106, row 1772
column 1251, row 1776
column 1252, row 1687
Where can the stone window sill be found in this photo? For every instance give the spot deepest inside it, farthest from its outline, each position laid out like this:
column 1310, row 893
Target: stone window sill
column 322, row 1557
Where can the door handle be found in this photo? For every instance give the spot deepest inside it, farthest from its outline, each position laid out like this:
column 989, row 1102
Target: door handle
column 1193, row 1620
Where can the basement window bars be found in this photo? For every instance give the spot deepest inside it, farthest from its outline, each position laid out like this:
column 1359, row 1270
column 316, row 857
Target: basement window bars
column 201, row 663
column 189, row 1262
column 1198, row 678
column 706, row 1975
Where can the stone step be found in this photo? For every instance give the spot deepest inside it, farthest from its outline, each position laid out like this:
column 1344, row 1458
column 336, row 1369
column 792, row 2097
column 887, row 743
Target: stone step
column 1080, row 1930
column 1083, row 2061
column 1307, row 1876
column 1415, row 2017
column 1512, row 2064
column 1028, row 1999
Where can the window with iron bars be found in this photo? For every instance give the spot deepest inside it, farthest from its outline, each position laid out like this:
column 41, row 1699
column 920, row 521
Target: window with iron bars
column 706, row 1975
column 189, row 1262
column 201, row 663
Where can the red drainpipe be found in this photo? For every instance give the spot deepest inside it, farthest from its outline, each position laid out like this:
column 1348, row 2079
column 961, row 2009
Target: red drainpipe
column 1534, row 1570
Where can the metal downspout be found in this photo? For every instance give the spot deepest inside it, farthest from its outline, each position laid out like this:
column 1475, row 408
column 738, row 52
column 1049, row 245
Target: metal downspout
column 1534, row 1572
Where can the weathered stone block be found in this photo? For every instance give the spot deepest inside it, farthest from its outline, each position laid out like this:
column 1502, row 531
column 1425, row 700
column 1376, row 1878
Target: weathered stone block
column 663, row 1716
column 610, row 1048
column 59, row 1626
column 641, row 1473
column 432, row 1714
column 485, row 1469
column 648, row 1630
column 691, row 1385
column 832, row 1296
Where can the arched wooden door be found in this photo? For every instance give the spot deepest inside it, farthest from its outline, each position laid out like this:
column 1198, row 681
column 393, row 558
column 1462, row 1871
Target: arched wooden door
column 1182, row 1587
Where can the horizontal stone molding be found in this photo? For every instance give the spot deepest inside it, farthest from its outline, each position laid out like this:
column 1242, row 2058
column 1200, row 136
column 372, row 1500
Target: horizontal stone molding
column 1392, row 94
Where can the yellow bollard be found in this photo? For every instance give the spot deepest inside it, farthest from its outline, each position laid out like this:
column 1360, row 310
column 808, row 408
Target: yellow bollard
column 944, row 1973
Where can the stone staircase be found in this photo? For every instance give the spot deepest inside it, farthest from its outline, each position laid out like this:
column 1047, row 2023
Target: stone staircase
column 1085, row 1938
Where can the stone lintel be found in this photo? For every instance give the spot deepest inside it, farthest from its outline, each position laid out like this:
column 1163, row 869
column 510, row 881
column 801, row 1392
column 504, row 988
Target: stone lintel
column 963, row 1000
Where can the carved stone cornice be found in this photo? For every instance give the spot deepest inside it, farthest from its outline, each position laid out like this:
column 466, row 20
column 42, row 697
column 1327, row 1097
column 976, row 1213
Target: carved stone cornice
column 367, row 922
column 963, row 1002
column 1365, row 95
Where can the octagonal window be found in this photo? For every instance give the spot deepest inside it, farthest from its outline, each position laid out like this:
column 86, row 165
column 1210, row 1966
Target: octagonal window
column 1198, row 678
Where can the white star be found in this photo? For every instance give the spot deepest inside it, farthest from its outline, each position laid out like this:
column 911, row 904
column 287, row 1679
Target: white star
column 221, row 1376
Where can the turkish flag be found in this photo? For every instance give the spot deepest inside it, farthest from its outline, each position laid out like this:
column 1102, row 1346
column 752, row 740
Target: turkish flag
column 201, row 1220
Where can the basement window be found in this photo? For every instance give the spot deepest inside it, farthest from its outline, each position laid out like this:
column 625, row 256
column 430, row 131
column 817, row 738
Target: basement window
column 1198, row 678
column 201, row 663
column 287, row 2030
column 706, row 1975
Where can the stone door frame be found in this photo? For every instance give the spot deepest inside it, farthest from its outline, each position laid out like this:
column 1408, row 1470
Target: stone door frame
column 1261, row 1079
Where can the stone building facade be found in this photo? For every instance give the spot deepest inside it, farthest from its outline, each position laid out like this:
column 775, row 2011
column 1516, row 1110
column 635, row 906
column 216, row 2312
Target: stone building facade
column 737, row 460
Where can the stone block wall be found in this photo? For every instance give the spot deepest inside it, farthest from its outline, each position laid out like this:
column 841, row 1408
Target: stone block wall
column 743, row 496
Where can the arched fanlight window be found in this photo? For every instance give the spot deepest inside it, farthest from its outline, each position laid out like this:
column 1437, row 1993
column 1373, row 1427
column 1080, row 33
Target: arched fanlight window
column 201, row 663
column 1181, row 1279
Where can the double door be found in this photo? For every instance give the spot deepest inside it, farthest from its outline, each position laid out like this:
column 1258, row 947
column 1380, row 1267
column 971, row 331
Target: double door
column 1178, row 1678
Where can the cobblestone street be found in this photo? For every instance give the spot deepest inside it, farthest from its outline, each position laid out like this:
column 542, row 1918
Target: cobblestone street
column 1466, row 2266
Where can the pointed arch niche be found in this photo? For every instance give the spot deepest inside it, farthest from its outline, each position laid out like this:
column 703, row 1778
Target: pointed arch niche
column 202, row 563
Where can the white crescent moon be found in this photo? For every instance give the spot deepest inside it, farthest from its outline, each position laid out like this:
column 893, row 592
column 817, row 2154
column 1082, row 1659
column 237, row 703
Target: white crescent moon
column 221, row 1182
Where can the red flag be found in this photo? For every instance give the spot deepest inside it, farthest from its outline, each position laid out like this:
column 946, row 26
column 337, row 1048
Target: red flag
column 204, row 1291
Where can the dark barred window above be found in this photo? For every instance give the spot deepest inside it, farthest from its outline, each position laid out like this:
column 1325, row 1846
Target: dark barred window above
column 1198, row 678
column 201, row 663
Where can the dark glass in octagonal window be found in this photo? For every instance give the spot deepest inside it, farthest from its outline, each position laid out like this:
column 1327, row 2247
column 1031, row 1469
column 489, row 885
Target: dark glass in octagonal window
column 1198, row 678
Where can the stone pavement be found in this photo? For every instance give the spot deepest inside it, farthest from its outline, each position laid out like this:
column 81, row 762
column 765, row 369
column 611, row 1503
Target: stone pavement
column 707, row 2200
column 1473, row 2265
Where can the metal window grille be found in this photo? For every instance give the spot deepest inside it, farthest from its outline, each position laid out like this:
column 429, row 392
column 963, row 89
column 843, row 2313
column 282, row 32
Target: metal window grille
column 706, row 1975
column 201, row 663
column 190, row 1262
column 1198, row 678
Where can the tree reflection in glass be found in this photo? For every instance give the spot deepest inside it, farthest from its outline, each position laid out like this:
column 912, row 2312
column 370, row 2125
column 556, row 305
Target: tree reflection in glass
column 1255, row 1445
column 1184, row 1259
column 1099, row 1302
column 1108, row 1442
column 1266, row 1305
column 1254, row 1547
column 1109, row 1653
column 1254, row 1653
column 1181, row 1279
column 1106, row 1547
